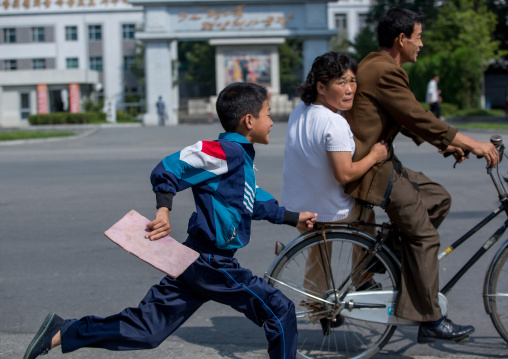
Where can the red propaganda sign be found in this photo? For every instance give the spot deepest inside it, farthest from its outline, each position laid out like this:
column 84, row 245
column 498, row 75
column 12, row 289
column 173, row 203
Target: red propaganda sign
column 42, row 99
column 74, row 98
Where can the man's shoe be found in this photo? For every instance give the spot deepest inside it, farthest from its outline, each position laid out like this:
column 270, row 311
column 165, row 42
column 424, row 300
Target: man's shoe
column 446, row 330
column 41, row 343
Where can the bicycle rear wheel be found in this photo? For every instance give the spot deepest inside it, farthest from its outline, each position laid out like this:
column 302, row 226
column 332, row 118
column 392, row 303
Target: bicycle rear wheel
column 323, row 331
column 497, row 294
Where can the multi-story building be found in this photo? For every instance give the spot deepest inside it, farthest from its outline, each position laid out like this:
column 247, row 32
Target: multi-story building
column 348, row 16
column 56, row 54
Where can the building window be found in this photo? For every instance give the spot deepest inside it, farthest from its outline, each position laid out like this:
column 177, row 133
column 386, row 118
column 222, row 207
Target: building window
column 72, row 62
column 128, row 61
column 10, row 65
column 341, row 22
column 128, row 31
column 37, row 34
column 25, row 105
column 71, row 33
column 38, row 64
column 96, row 63
column 10, row 35
column 94, row 32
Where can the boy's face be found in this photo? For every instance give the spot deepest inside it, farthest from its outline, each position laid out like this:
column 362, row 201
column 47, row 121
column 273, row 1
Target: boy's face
column 262, row 125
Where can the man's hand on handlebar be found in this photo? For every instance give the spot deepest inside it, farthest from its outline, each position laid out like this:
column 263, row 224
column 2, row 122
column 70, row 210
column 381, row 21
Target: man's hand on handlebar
column 457, row 152
column 480, row 149
column 487, row 150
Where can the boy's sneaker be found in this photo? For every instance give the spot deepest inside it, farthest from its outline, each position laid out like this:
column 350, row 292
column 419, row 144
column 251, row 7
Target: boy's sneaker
column 41, row 343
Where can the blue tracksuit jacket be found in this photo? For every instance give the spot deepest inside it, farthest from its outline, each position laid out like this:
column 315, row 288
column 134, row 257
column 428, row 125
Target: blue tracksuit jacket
column 221, row 174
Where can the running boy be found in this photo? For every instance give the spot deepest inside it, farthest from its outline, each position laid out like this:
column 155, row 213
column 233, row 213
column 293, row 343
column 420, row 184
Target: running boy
column 221, row 175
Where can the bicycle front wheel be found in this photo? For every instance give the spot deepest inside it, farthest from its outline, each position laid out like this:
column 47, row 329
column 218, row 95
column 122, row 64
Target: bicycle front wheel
column 313, row 269
column 497, row 294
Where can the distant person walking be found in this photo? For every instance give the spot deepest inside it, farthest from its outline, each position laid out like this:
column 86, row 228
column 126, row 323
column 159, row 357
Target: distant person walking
column 161, row 111
column 433, row 97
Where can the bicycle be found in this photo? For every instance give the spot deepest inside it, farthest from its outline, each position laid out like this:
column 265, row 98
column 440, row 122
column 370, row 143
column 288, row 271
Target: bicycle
column 350, row 314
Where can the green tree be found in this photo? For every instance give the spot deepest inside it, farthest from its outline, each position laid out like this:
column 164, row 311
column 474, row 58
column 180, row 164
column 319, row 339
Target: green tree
column 462, row 35
column 464, row 23
column 500, row 9
column 290, row 65
column 138, row 70
column 429, row 8
column 365, row 42
column 198, row 59
column 340, row 43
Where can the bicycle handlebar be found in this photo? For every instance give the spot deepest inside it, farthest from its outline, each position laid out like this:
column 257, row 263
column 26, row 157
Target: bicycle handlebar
column 496, row 140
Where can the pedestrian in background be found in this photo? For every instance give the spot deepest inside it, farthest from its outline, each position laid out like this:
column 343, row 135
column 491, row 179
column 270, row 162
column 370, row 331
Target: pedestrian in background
column 433, row 97
column 161, row 111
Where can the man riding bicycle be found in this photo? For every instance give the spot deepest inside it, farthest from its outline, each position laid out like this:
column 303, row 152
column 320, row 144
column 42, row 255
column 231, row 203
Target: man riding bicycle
column 384, row 106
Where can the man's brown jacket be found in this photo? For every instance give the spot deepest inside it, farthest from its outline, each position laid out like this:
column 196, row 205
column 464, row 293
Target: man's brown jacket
column 383, row 106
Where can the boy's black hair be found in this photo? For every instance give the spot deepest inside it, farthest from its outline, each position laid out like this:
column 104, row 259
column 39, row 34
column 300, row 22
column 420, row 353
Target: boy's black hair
column 395, row 22
column 237, row 100
column 325, row 68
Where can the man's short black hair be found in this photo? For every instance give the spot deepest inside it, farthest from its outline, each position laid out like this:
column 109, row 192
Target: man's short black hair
column 395, row 22
column 237, row 100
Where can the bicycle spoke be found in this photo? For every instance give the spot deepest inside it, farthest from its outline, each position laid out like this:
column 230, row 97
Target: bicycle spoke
column 306, row 274
column 497, row 294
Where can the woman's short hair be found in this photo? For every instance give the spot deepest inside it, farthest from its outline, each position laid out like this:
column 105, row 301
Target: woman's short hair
column 325, row 68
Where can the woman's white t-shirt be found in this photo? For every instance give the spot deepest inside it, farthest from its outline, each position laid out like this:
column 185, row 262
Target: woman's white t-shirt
column 308, row 182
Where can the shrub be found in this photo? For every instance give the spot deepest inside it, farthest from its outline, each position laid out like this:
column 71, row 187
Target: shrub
column 425, row 106
column 66, row 118
column 479, row 112
column 448, row 109
column 123, row 117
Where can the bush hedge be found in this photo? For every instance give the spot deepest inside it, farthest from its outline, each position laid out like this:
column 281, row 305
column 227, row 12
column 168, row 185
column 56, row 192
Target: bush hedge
column 123, row 117
column 66, row 118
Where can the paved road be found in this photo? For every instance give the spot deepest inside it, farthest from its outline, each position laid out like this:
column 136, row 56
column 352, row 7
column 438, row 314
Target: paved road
column 58, row 197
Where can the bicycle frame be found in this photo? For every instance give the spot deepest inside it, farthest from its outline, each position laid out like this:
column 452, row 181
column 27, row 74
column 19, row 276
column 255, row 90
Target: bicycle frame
column 384, row 299
column 503, row 197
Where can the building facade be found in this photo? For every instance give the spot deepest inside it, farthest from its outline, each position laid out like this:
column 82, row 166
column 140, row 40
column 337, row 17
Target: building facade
column 57, row 54
column 348, row 17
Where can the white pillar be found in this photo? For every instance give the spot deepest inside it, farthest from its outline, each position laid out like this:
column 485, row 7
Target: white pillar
column 1, row 106
column 160, row 65
column 112, row 62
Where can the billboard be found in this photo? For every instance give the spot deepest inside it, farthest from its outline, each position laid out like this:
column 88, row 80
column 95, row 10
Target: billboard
column 248, row 66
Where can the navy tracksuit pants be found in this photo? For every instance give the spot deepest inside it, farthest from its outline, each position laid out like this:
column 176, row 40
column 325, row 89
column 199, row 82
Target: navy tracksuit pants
column 169, row 304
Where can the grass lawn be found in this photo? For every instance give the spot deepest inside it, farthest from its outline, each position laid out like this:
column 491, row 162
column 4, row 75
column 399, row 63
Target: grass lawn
column 25, row 135
column 483, row 125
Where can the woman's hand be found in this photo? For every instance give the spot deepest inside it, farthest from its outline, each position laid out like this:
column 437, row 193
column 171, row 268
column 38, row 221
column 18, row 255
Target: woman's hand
column 379, row 151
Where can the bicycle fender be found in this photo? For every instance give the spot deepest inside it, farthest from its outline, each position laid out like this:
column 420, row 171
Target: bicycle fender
column 488, row 275
column 338, row 228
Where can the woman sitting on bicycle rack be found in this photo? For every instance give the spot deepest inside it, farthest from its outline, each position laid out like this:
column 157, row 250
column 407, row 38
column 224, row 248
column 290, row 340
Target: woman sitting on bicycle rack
column 318, row 155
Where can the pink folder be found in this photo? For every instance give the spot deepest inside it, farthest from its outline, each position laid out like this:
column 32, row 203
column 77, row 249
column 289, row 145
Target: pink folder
column 165, row 254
